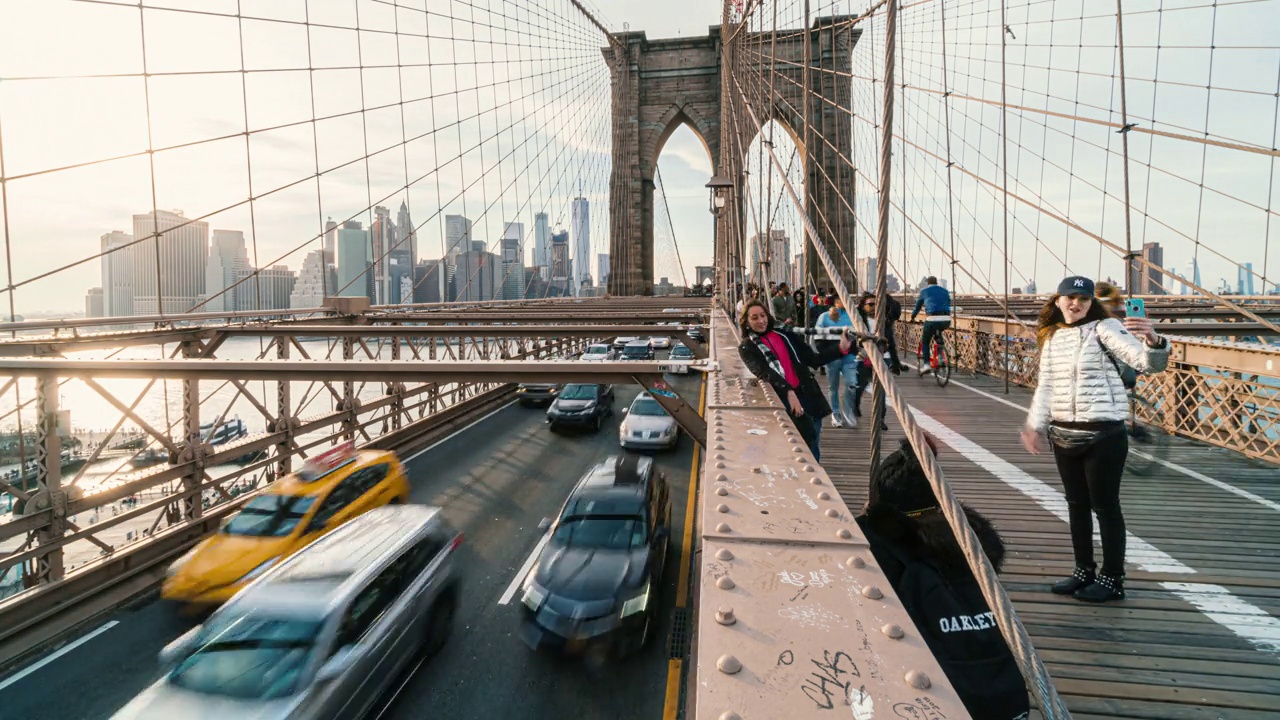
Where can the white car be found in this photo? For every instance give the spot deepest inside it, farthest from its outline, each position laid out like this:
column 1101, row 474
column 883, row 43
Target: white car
column 621, row 342
column 647, row 426
column 597, row 353
column 659, row 343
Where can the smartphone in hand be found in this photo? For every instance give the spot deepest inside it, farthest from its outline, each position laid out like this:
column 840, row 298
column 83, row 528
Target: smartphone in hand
column 1135, row 307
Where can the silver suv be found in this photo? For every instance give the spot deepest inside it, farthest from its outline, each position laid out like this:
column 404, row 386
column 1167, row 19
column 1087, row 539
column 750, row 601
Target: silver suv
column 322, row 634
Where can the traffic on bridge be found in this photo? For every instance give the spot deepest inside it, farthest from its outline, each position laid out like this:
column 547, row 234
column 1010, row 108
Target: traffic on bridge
column 774, row 359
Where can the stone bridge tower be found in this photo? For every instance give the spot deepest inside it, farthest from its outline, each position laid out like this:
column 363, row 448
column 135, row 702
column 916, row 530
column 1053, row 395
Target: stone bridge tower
column 660, row 84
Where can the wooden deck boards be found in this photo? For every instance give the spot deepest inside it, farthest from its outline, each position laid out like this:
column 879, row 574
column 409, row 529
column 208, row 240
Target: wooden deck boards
column 1154, row 656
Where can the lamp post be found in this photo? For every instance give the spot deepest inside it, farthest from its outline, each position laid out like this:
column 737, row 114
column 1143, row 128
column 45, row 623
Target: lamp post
column 718, row 197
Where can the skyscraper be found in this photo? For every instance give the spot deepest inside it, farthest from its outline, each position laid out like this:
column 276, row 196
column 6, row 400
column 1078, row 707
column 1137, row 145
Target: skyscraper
column 581, row 228
column 429, row 281
column 457, row 234
column 174, row 281
column 561, row 281
column 265, row 289
column 1244, row 278
column 314, row 280
column 355, row 261
column 330, row 241
column 602, row 269
column 93, row 303
column 403, row 256
column 1144, row 279
column 117, row 274
column 476, row 275
column 228, row 257
column 542, row 245
column 771, row 258
column 511, row 279
column 866, row 271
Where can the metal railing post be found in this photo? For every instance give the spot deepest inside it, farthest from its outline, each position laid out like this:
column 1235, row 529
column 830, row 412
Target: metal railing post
column 49, row 567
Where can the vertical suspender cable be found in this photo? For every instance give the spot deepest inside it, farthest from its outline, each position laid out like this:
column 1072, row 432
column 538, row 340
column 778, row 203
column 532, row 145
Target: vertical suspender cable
column 1124, row 144
column 1004, row 170
column 882, row 234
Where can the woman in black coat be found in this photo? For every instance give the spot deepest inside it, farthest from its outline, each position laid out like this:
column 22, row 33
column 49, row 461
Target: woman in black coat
column 783, row 360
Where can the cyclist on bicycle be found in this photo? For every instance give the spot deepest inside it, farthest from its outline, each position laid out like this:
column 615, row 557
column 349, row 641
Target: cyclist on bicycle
column 936, row 302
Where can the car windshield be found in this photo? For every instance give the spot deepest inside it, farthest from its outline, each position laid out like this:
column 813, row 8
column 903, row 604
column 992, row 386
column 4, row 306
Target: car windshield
column 601, row 532
column 647, row 406
column 682, row 351
column 248, row 657
column 270, row 515
column 637, row 350
column 578, row 392
column 598, row 350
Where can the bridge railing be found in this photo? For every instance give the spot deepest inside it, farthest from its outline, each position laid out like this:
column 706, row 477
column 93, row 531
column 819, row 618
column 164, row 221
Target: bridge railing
column 1223, row 393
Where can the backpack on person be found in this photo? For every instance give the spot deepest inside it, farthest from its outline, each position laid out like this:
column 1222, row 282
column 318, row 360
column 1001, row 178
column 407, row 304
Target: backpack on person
column 1128, row 375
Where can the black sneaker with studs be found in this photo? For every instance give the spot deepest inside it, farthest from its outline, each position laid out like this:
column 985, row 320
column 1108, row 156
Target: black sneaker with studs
column 1105, row 589
column 1079, row 580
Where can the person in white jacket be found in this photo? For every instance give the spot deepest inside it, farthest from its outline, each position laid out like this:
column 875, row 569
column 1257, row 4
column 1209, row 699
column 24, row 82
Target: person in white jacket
column 1081, row 404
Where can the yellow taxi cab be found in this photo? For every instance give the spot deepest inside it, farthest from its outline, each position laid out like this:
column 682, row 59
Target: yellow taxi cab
column 293, row 512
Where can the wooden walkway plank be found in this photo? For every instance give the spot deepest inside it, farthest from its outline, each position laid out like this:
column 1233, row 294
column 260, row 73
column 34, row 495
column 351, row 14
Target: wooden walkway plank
column 1154, row 656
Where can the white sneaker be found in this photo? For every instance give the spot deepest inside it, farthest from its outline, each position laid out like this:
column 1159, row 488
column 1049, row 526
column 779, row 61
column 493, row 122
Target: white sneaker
column 835, row 420
column 850, row 421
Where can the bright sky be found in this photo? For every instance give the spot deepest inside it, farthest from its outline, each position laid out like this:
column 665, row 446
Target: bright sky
column 548, row 136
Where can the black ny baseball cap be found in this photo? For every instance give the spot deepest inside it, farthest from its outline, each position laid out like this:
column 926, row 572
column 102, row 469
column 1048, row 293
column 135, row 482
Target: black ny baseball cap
column 1076, row 285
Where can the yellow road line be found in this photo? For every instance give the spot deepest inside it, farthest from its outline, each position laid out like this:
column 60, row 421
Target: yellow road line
column 672, row 705
column 686, row 551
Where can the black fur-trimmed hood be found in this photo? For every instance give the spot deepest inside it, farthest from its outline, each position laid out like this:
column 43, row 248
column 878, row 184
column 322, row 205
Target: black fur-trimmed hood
column 929, row 537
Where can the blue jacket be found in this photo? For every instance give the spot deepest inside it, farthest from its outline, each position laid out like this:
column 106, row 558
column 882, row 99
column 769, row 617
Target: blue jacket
column 935, row 300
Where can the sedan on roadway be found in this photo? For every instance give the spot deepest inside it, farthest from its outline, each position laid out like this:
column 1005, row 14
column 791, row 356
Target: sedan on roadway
column 659, row 342
column 638, row 350
column 621, row 342
column 329, row 490
column 647, row 426
column 598, row 353
column 682, row 352
column 581, row 405
column 594, row 590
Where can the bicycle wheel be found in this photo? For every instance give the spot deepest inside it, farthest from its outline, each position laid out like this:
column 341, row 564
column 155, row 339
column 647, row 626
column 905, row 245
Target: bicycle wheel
column 942, row 374
column 1148, row 443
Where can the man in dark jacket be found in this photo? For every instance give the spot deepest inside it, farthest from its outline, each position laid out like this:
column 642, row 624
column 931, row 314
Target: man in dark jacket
column 783, row 360
column 893, row 310
column 917, row 551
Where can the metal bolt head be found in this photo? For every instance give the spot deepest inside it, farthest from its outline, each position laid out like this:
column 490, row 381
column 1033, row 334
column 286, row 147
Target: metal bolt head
column 729, row 665
column 918, row 680
column 722, row 528
column 725, row 583
column 722, row 477
column 724, row 554
column 833, row 513
column 815, row 481
column 719, row 456
column 808, row 468
column 722, row 508
column 797, row 449
column 855, row 561
column 793, row 441
column 730, row 715
column 722, row 491
column 872, row 592
column 844, row 534
column 893, row 631
column 720, row 466
column 824, row 495
column 724, row 615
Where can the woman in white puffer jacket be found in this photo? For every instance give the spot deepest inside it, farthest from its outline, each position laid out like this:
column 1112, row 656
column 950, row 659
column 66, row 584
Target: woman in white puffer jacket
column 1082, row 405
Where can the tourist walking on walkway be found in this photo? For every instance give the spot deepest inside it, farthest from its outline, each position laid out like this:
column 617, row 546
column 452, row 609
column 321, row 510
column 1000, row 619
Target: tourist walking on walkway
column 1081, row 403
column 783, row 360
column 842, row 373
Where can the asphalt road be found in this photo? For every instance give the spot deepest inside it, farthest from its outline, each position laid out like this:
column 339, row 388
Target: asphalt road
column 495, row 481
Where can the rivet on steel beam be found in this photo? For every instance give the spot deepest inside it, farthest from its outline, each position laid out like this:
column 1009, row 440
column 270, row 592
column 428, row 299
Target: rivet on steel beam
column 720, row 466
column 918, row 680
column 793, row 441
column 724, row 615
column 824, row 495
column 844, row 534
column 833, row 513
column 808, row 468
column 722, row 491
column 722, row 508
column 719, row 456
column 729, row 665
column 730, row 715
column 725, row 583
column 720, row 447
column 855, row 561
column 797, row 449
column 722, row 528
column 788, row 431
column 872, row 592
column 815, row 480
column 892, row 630
column 724, row 554
column 722, row 477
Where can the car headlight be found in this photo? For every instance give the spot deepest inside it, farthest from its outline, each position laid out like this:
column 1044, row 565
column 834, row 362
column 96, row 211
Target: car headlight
column 259, row 570
column 623, row 430
column 638, row 603
column 533, row 596
column 669, row 430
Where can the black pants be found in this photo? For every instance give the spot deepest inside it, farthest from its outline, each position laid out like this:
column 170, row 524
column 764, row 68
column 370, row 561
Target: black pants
column 931, row 329
column 1091, row 479
column 892, row 338
column 865, row 376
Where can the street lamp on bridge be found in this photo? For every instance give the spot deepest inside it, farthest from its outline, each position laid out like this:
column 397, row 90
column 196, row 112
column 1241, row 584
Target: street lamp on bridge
column 720, row 187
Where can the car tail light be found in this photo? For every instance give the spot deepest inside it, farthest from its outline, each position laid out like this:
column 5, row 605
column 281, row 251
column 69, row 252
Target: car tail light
column 457, row 540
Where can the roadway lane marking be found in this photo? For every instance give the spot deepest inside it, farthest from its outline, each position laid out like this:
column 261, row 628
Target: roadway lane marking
column 671, row 706
column 456, row 433
column 686, row 550
column 524, row 570
column 1241, row 617
column 1270, row 504
column 56, row 654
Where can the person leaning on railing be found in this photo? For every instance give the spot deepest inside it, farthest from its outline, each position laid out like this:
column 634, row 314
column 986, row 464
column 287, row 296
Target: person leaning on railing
column 1080, row 402
column 783, row 360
